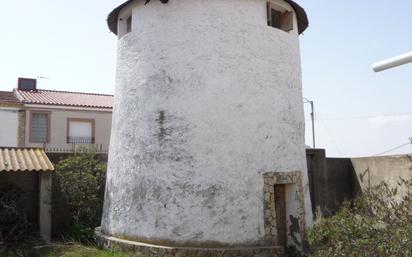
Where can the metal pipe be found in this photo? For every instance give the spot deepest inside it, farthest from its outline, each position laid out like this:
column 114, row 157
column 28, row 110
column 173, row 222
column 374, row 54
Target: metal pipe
column 393, row 62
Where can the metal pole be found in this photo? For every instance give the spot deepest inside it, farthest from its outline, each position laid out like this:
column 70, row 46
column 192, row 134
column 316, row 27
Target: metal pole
column 393, row 62
column 313, row 123
column 312, row 116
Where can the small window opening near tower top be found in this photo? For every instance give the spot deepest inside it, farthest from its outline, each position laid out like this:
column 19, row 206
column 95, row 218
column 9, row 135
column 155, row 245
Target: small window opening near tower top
column 129, row 24
column 279, row 19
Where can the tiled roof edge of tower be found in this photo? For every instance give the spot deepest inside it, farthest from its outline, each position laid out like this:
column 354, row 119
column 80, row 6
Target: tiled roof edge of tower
column 303, row 21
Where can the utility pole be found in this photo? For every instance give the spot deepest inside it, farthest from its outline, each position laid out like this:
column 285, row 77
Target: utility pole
column 312, row 115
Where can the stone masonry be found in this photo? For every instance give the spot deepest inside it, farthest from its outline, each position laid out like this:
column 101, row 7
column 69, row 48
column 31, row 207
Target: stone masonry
column 277, row 178
column 21, row 128
column 149, row 250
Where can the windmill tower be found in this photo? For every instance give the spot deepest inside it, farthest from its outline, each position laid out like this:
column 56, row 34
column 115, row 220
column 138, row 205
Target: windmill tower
column 207, row 149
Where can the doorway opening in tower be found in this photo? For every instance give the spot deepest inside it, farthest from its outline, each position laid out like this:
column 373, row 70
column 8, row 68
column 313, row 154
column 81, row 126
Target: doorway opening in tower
column 284, row 208
column 280, row 208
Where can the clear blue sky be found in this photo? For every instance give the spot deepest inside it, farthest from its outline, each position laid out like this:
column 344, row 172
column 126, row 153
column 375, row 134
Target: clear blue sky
column 69, row 42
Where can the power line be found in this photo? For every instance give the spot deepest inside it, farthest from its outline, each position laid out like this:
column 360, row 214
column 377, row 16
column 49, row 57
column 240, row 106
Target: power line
column 366, row 116
column 395, row 148
column 331, row 138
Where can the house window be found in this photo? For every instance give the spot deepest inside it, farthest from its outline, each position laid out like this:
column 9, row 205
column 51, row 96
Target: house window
column 40, row 127
column 80, row 131
column 129, row 24
column 279, row 19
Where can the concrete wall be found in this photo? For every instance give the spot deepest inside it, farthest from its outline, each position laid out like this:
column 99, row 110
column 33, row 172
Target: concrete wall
column 208, row 98
column 45, row 205
column 35, row 200
column 9, row 117
column 334, row 180
column 372, row 171
column 28, row 182
column 340, row 180
column 58, row 126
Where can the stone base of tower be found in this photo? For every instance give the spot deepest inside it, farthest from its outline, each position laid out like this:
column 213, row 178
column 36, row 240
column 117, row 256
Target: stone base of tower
column 150, row 250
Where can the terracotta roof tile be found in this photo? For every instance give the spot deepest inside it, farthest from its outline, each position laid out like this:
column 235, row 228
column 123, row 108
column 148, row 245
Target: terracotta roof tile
column 8, row 98
column 64, row 98
column 302, row 17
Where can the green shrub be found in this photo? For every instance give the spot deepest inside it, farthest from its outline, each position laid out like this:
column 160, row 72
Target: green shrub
column 292, row 251
column 78, row 232
column 378, row 223
column 81, row 179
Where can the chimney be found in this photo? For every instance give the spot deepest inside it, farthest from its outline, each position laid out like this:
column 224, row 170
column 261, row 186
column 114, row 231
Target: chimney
column 26, row 84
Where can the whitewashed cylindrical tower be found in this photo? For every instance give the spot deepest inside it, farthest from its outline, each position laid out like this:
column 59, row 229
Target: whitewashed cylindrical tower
column 207, row 145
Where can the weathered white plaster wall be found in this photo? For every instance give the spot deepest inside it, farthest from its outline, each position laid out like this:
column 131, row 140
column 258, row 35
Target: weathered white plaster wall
column 9, row 118
column 208, row 98
column 292, row 215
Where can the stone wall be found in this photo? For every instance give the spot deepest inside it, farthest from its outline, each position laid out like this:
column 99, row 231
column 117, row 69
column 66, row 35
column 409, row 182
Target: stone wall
column 21, row 128
column 150, row 250
column 296, row 231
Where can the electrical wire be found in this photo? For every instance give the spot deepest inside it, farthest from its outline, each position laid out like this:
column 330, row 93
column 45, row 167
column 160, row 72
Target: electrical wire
column 331, row 139
column 321, row 121
column 366, row 116
column 393, row 149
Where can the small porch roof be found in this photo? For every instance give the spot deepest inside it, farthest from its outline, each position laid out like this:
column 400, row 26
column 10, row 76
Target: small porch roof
column 24, row 159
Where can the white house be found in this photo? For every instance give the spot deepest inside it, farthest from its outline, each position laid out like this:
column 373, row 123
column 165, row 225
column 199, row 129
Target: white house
column 207, row 148
column 59, row 121
column 10, row 107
